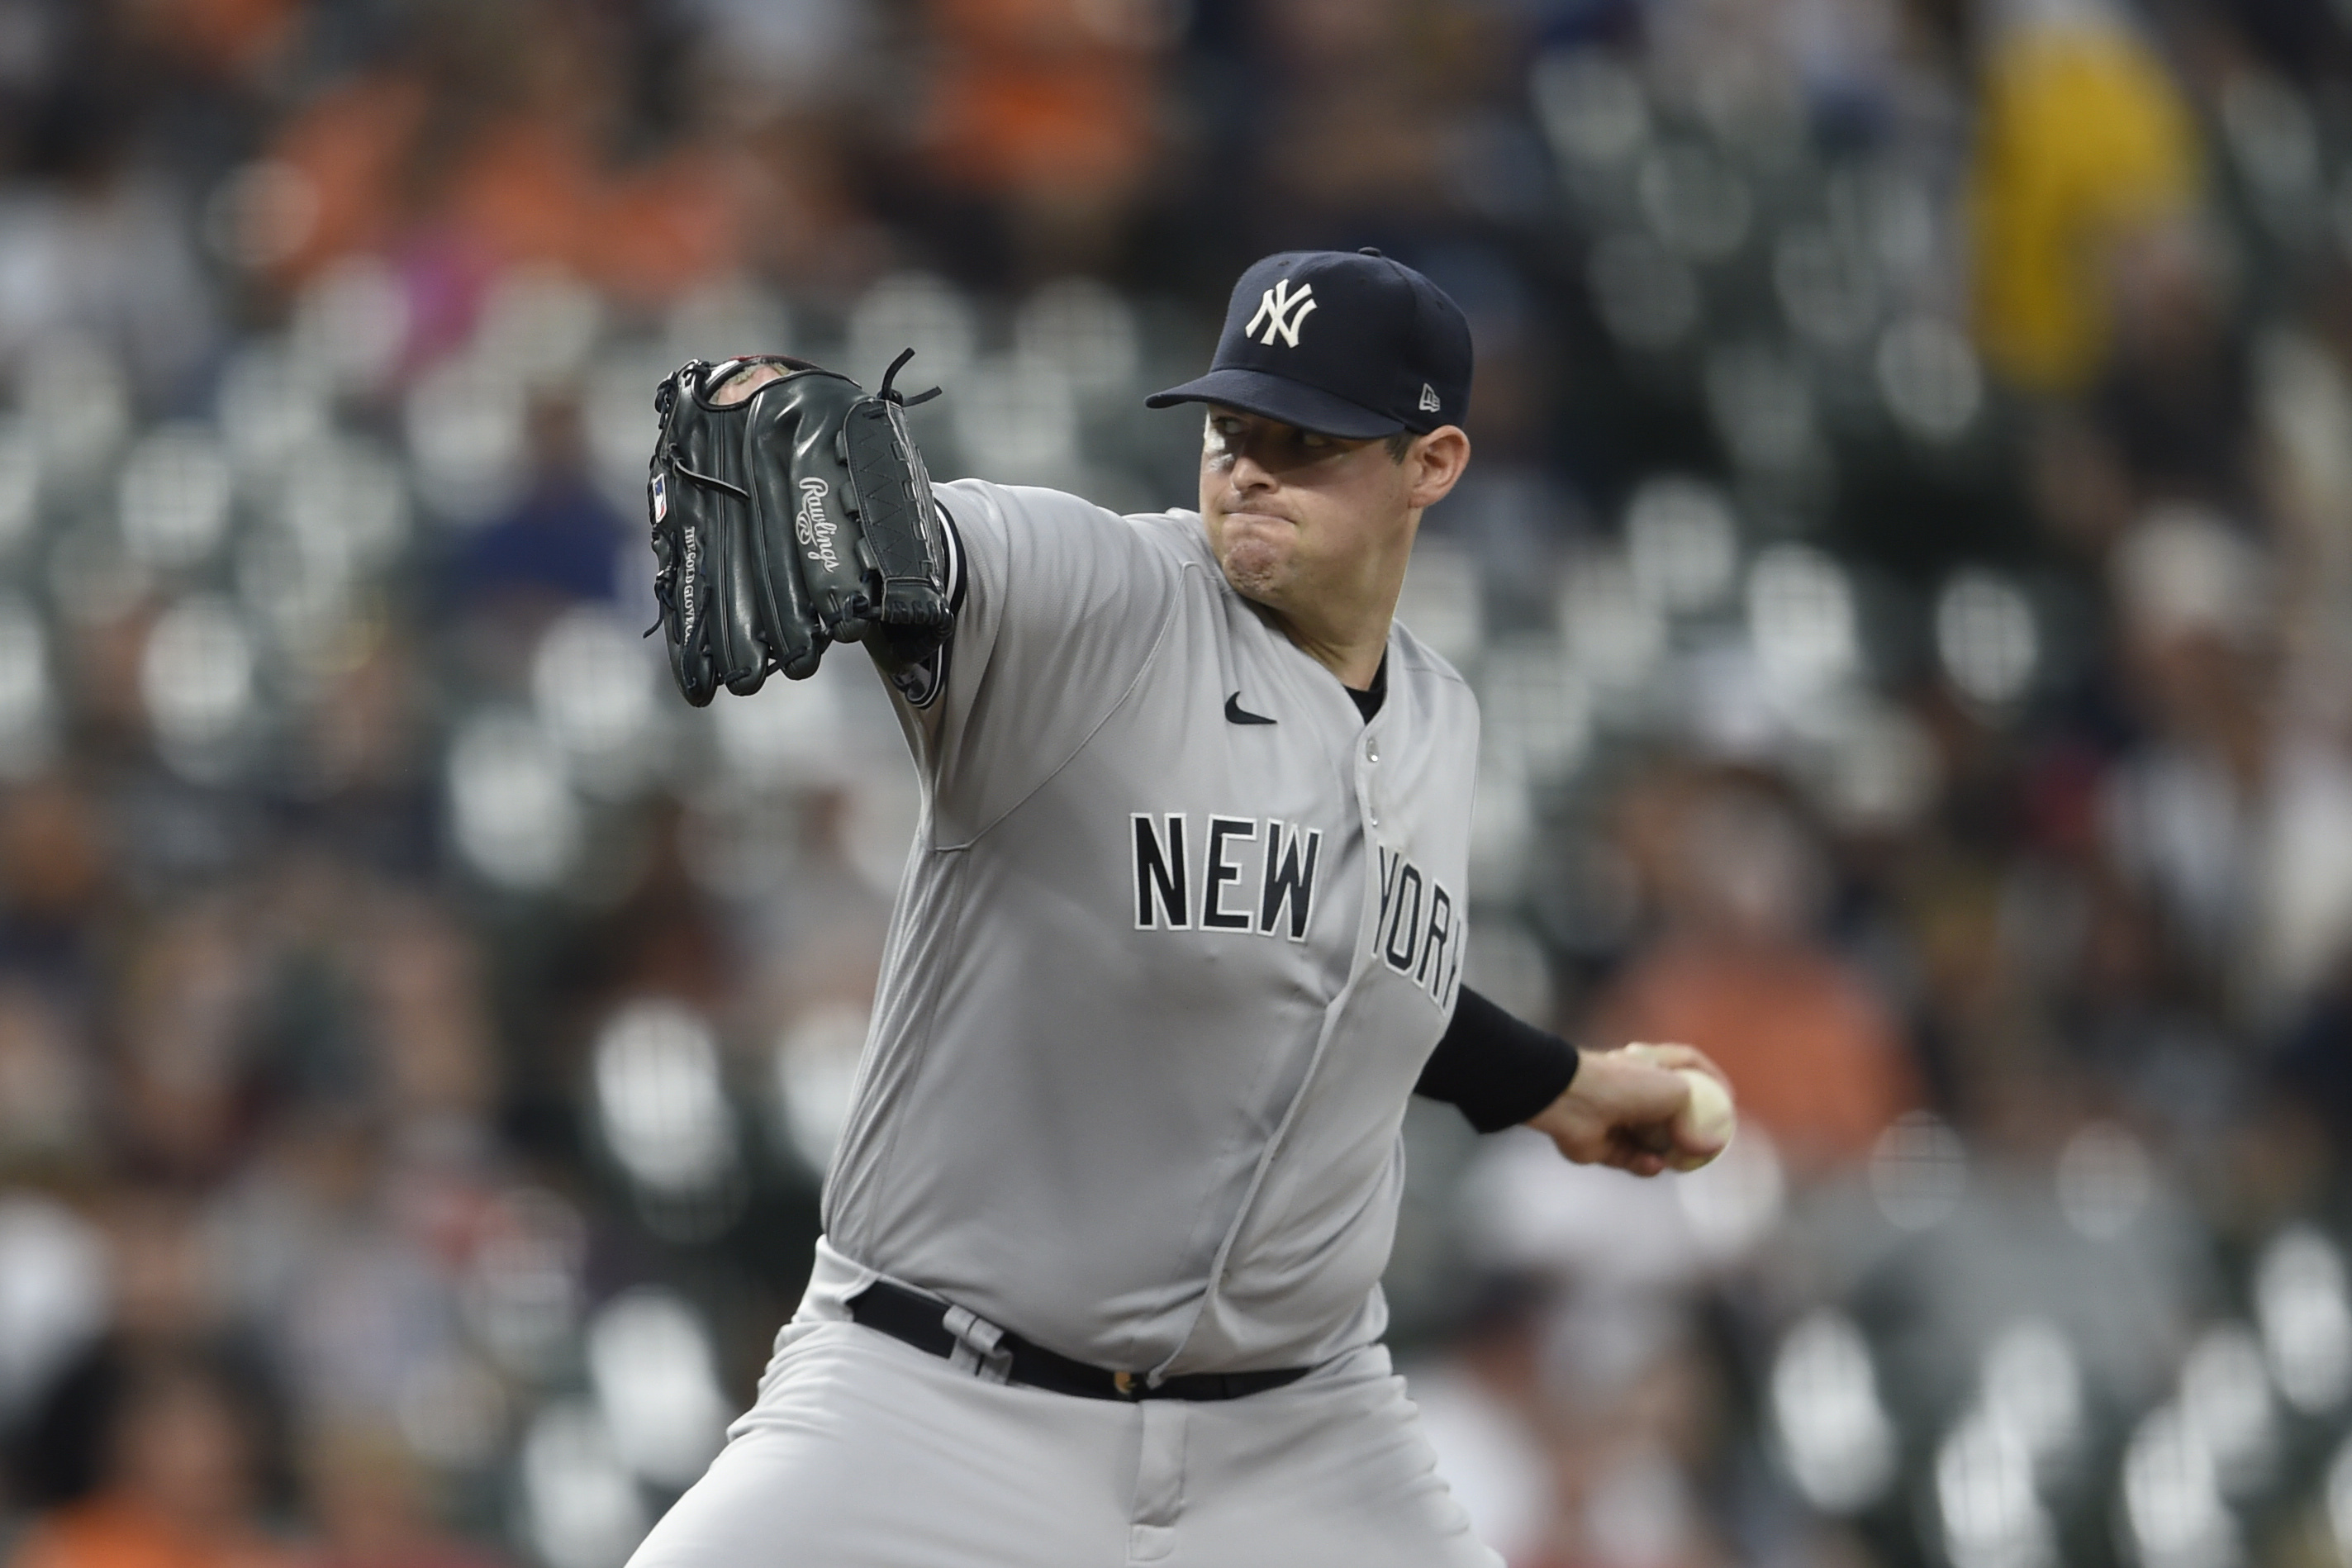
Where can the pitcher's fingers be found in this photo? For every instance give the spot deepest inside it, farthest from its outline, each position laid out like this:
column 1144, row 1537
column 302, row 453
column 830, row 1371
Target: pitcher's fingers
column 1637, row 1162
column 1647, row 1137
column 1678, row 1056
column 1627, row 1086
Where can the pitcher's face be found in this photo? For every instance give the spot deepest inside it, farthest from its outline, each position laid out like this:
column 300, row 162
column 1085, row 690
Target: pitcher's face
column 1295, row 517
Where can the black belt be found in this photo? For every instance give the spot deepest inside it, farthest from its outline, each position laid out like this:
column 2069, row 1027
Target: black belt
column 918, row 1320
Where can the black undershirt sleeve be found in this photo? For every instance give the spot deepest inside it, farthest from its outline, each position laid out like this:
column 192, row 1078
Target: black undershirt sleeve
column 1495, row 1069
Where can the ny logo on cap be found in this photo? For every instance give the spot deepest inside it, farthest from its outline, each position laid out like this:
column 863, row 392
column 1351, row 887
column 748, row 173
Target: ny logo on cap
column 1282, row 311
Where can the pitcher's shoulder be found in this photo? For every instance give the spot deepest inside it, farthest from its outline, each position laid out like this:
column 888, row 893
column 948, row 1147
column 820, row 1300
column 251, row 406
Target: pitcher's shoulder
column 1031, row 527
column 1411, row 657
column 1179, row 532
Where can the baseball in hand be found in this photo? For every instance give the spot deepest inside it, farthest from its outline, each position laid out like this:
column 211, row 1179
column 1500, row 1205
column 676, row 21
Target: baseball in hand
column 1707, row 1118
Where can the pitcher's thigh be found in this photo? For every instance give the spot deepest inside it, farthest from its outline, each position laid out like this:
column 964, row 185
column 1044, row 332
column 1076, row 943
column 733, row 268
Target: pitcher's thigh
column 1321, row 1479
column 870, row 1455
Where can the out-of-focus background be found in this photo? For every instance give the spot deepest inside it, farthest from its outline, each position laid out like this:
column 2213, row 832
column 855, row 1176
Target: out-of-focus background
column 1906, row 570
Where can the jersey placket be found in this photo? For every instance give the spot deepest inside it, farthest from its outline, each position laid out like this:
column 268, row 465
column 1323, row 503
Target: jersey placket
column 1365, row 754
column 1368, row 782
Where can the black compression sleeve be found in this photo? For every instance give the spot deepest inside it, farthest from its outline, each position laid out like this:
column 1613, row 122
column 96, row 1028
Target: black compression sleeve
column 1495, row 1069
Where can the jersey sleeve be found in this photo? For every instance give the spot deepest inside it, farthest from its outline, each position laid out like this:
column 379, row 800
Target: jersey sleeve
column 1058, row 603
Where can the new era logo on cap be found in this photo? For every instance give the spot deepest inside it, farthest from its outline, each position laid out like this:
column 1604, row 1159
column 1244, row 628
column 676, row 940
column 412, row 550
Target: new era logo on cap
column 1387, row 352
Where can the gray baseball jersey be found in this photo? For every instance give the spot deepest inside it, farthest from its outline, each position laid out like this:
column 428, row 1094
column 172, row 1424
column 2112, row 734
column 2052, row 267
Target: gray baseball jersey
column 1177, row 934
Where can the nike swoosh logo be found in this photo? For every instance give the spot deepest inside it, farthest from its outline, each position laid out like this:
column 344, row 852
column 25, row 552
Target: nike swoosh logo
column 1237, row 714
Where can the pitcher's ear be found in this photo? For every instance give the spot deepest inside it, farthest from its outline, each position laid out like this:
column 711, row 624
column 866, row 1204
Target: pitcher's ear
column 1441, row 455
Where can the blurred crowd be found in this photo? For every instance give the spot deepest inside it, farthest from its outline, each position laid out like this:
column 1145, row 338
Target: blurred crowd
column 1907, row 570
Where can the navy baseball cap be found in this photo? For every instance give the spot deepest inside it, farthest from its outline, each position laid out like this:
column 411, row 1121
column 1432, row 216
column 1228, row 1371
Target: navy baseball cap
column 1343, row 343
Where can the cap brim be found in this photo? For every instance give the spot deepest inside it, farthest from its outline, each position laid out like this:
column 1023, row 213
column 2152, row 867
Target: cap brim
column 1274, row 397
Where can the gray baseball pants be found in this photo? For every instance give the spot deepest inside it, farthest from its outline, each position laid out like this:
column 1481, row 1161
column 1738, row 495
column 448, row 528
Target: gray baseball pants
column 863, row 1452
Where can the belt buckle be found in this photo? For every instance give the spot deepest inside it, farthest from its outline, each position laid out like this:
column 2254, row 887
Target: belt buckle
column 1129, row 1385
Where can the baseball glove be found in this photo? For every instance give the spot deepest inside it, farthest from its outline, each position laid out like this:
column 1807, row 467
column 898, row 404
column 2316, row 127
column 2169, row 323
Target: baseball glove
column 789, row 512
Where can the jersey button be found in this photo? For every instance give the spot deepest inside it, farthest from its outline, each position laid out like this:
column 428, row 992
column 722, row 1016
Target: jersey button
column 1372, row 752
column 1374, row 818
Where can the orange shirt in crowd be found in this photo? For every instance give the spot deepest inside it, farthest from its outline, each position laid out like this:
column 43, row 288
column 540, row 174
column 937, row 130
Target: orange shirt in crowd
column 111, row 1532
column 520, row 191
column 1811, row 1053
column 349, row 148
column 1043, row 96
column 238, row 37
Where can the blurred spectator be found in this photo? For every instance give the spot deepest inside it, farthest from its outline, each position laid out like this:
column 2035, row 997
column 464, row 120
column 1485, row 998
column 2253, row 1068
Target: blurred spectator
column 372, row 1504
column 95, row 245
column 433, row 1051
column 1374, row 120
column 187, row 1075
column 1482, row 1409
column 782, row 52
column 559, row 543
column 492, row 145
column 1812, row 1056
column 228, row 37
column 352, row 1308
column 2239, row 820
column 2083, row 143
column 53, row 871
column 169, row 1289
column 1578, row 1424
column 1640, row 1441
column 177, row 1481
column 1051, row 108
column 46, row 1109
column 2175, row 395
column 364, row 751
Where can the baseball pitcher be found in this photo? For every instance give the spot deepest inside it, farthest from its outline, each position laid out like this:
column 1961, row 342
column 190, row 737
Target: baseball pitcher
column 1182, row 929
